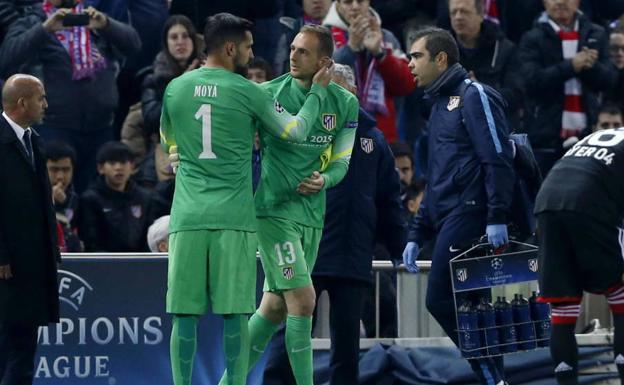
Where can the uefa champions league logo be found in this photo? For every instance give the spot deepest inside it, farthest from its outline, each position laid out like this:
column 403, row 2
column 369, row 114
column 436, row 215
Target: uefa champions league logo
column 278, row 107
column 497, row 263
column 72, row 288
column 83, row 330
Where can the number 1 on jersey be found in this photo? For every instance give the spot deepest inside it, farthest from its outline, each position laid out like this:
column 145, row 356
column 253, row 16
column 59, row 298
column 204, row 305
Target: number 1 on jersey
column 204, row 113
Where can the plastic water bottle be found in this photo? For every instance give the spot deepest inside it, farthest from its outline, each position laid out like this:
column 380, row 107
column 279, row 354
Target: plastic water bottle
column 487, row 321
column 504, row 321
column 540, row 315
column 525, row 333
column 469, row 336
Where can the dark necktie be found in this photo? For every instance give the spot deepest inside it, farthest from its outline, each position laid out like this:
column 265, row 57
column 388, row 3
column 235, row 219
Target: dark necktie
column 28, row 145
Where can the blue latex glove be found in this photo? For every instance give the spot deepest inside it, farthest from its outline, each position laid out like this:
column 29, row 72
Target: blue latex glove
column 409, row 256
column 497, row 235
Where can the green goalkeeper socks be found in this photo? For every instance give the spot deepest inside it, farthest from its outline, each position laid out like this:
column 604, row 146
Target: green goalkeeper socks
column 299, row 348
column 236, row 347
column 260, row 332
column 182, row 348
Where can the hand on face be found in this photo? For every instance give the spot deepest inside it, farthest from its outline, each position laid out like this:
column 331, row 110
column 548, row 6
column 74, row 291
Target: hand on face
column 58, row 193
column 357, row 32
column 324, row 75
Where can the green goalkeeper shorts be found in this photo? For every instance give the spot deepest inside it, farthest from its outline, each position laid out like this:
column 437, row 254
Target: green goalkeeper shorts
column 216, row 267
column 288, row 251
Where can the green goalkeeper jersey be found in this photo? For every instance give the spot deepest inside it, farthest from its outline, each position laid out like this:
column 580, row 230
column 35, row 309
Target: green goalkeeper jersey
column 327, row 149
column 210, row 114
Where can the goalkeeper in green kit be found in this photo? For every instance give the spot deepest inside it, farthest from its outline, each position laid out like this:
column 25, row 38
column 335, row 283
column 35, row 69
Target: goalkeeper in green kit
column 290, row 200
column 209, row 114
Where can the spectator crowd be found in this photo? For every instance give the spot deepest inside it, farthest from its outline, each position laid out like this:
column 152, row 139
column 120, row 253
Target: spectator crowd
column 105, row 65
column 558, row 63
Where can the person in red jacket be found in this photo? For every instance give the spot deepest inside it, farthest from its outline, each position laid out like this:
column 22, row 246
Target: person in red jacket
column 376, row 56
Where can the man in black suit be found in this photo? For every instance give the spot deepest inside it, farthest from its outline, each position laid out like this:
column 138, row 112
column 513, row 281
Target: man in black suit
column 28, row 246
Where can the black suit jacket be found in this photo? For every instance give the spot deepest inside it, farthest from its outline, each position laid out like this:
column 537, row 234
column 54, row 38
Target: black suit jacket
column 27, row 233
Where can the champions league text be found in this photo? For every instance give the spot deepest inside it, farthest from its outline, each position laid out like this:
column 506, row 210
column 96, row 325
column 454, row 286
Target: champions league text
column 85, row 333
column 100, row 331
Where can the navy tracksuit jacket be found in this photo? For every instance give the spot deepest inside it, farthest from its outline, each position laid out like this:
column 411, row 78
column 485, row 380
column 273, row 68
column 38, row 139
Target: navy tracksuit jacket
column 470, row 181
column 364, row 207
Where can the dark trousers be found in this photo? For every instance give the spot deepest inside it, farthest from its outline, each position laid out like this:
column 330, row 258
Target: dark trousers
column 387, row 307
column 18, row 344
column 345, row 302
column 457, row 232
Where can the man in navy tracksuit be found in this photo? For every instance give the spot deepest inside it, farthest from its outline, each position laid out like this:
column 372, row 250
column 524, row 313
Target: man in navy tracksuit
column 470, row 177
column 363, row 208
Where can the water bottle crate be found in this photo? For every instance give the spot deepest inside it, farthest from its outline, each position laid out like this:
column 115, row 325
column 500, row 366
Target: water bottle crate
column 490, row 348
column 486, row 330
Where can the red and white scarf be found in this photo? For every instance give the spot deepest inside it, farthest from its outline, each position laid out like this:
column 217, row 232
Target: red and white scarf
column 85, row 58
column 491, row 11
column 574, row 119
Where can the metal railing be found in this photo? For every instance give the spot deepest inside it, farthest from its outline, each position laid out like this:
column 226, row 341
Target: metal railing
column 407, row 283
column 413, row 319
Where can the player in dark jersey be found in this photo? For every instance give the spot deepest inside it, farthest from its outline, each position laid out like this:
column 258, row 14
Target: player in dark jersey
column 579, row 210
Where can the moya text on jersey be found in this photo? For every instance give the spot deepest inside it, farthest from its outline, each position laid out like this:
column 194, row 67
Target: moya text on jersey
column 602, row 145
column 205, row 90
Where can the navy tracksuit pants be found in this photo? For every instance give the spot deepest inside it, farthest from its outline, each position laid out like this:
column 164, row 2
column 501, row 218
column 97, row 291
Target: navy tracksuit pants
column 458, row 231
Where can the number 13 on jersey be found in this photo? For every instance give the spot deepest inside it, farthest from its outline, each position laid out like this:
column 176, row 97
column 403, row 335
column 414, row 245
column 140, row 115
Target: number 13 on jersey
column 288, row 256
column 204, row 113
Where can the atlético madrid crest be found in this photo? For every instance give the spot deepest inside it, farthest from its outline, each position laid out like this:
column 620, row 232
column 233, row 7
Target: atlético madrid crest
column 329, row 121
column 136, row 210
column 533, row 265
column 288, row 272
column 453, row 103
column 461, row 274
column 367, row 145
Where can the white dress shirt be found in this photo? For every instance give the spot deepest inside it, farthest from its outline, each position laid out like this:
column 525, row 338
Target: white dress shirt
column 19, row 130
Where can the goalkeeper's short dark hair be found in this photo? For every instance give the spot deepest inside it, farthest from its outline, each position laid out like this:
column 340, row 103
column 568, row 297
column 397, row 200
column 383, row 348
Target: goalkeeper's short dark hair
column 224, row 27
